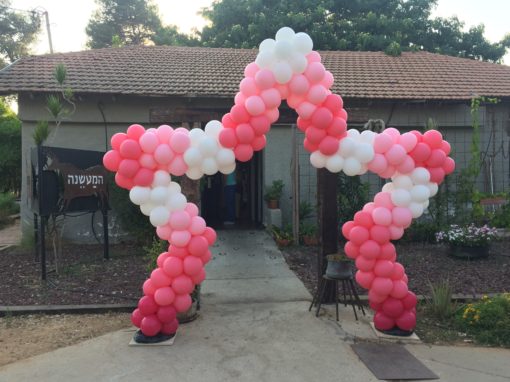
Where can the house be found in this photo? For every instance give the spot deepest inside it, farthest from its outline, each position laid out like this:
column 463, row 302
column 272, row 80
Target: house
column 189, row 86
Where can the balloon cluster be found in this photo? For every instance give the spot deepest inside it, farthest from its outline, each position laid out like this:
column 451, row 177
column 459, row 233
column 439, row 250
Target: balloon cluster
column 286, row 68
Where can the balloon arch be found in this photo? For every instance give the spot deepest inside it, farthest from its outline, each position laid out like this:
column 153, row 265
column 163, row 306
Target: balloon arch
column 286, row 68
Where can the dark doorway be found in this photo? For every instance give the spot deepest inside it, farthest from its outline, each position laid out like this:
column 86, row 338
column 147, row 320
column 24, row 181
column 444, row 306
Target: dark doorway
column 246, row 196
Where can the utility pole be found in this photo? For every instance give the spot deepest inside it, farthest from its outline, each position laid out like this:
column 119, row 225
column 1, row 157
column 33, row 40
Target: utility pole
column 48, row 30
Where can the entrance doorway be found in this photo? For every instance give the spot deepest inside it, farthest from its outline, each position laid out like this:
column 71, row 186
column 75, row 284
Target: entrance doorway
column 246, row 199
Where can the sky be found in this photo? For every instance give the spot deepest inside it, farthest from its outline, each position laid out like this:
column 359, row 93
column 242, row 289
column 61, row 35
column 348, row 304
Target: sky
column 69, row 18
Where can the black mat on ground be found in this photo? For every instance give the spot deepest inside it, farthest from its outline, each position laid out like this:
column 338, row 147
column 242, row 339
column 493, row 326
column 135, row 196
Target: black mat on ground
column 390, row 362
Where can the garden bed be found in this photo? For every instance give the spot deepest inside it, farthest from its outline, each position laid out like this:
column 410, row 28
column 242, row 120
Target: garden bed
column 83, row 277
column 425, row 264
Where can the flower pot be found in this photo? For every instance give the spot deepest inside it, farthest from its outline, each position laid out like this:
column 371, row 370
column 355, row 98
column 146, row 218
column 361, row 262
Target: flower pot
column 272, row 204
column 469, row 252
column 191, row 314
column 310, row 240
column 338, row 269
column 283, row 242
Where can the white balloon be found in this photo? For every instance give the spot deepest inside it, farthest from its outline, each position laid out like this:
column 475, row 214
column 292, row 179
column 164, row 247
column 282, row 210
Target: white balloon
column 298, row 63
column 140, row 195
column 159, row 216
column 285, row 33
column 401, row 197
column 352, row 166
column 176, row 202
column 426, row 204
column 420, row 193
column 433, row 188
column 282, row 72
column 364, row 152
column 225, row 157
column 283, row 49
column 367, row 136
column 194, row 173
column 335, row 163
column 174, row 188
column 159, row 195
column 416, row 209
column 228, row 169
column 420, row 175
column 208, row 147
column 302, row 43
column 267, row 45
column 193, row 157
column 265, row 59
column 146, row 208
column 347, row 147
column 213, row 128
column 353, row 133
column 161, row 178
column 209, row 166
column 402, row 181
column 318, row 160
column 195, row 136
column 388, row 187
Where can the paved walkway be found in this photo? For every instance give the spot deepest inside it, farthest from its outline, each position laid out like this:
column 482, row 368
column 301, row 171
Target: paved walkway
column 254, row 326
column 10, row 235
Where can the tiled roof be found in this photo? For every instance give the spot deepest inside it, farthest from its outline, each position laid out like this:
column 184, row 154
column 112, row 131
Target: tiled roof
column 216, row 72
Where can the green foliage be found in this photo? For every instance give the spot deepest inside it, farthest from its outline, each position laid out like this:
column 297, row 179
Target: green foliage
column 17, row 31
column 305, row 211
column 8, row 207
column 440, row 303
column 41, row 132
column 501, row 217
column 152, row 251
column 352, row 195
column 284, row 233
column 421, row 231
column 54, row 106
column 274, row 192
column 60, row 74
column 10, row 149
column 308, row 229
column 361, row 25
column 487, row 320
column 131, row 219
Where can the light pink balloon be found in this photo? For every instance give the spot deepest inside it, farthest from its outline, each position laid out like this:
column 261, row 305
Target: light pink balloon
column 178, row 166
column 378, row 164
column 317, row 94
column 306, row 109
column 396, row 232
column 149, row 142
column 393, row 133
column 395, row 155
column 382, row 216
column 328, row 80
column 164, row 132
column 180, row 238
column 251, row 69
column 299, row 85
column 180, row 220
column 408, row 141
column 402, row 217
column 179, row 142
column 255, row 105
column 264, row 79
column 164, row 232
column 313, row 56
column 148, row 161
column 239, row 98
column 248, row 87
column 197, row 226
column 192, row 209
column 369, row 207
column 271, row 98
column 159, row 278
column 163, row 154
column 382, row 143
column 407, row 165
column 388, row 173
column 315, row 72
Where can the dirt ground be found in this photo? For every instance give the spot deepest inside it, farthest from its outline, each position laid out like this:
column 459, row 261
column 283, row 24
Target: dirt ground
column 26, row 336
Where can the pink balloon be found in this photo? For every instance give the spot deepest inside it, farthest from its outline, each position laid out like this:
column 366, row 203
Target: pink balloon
column 149, row 142
column 210, row 235
column 383, row 286
column 382, row 216
column 205, row 258
column 393, row 133
column 346, row 228
column 164, row 132
column 397, row 271
column 337, row 128
column 433, row 138
column 255, row 105
column 258, row 143
column 198, row 278
column 251, row 69
column 161, row 259
column 271, row 98
column 365, row 279
column 334, row 102
column 310, row 146
column 294, row 100
column 179, row 142
column 243, row 152
column 128, row 168
column 395, row 155
column 315, row 72
column 163, row 154
column 123, row 181
column 264, row 79
column 392, row 307
column 248, row 87
column 136, row 318
column 328, row 145
column 383, row 268
column 180, row 238
column 198, row 245
column 182, row 284
column 111, row 160
column 396, row 232
column 317, row 94
column 148, row 288
column 437, row 174
column 388, row 173
column 147, row 305
column 383, row 322
column 191, row 209
column 402, row 217
column 421, row 152
column 260, row 125
column 358, row 235
column 173, row 266
column 299, row 85
column 192, row 265
column 170, row 327
column 370, row 249
column 164, row 232
column 382, row 143
column 150, row 325
column 365, row 264
column 351, row 250
column 182, row 302
column 363, row 219
column 179, row 252
column 147, row 161
column 388, row 252
column 322, row 117
column 283, row 89
column 164, row 296
column 130, row 149
column 380, row 234
column 383, row 199
column 446, row 147
column 407, row 165
column 378, row 164
column 143, row 177
column 272, row 114
column 436, row 159
column 159, row 278
column 245, row 133
column 117, row 140
column 135, row 131
column 410, row 300
column 239, row 114
column 166, row 313
column 239, row 99
column 373, row 296
column 315, row 135
column 306, row 109
column 180, row 220
column 408, row 141
column 448, row 166
column 227, row 121
column 399, row 289
column 197, row 226
column 406, row 321
column 178, row 166
column 369, row 207
column 228, row 138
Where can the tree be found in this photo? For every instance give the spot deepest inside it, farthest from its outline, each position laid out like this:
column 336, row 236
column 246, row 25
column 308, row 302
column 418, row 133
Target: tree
column 10, row 147
column 17, row 31
column 366, row 25
column 131, row 22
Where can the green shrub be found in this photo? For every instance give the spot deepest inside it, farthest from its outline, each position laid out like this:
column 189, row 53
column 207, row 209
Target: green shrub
column 421, row 231
column 8, row 207
column 352, row 195
column 10, row 149
column 152, row 252
column 487, row 320
column 440, row 303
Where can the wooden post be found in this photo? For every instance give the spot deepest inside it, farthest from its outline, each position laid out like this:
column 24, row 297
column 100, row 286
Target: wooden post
column 295, row 186
column 328, row 224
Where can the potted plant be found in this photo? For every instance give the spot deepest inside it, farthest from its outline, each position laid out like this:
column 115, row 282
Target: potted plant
column 283, row 237
column 273, row 194
column 308, row 233
column 339, row 266
column 468, row 242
